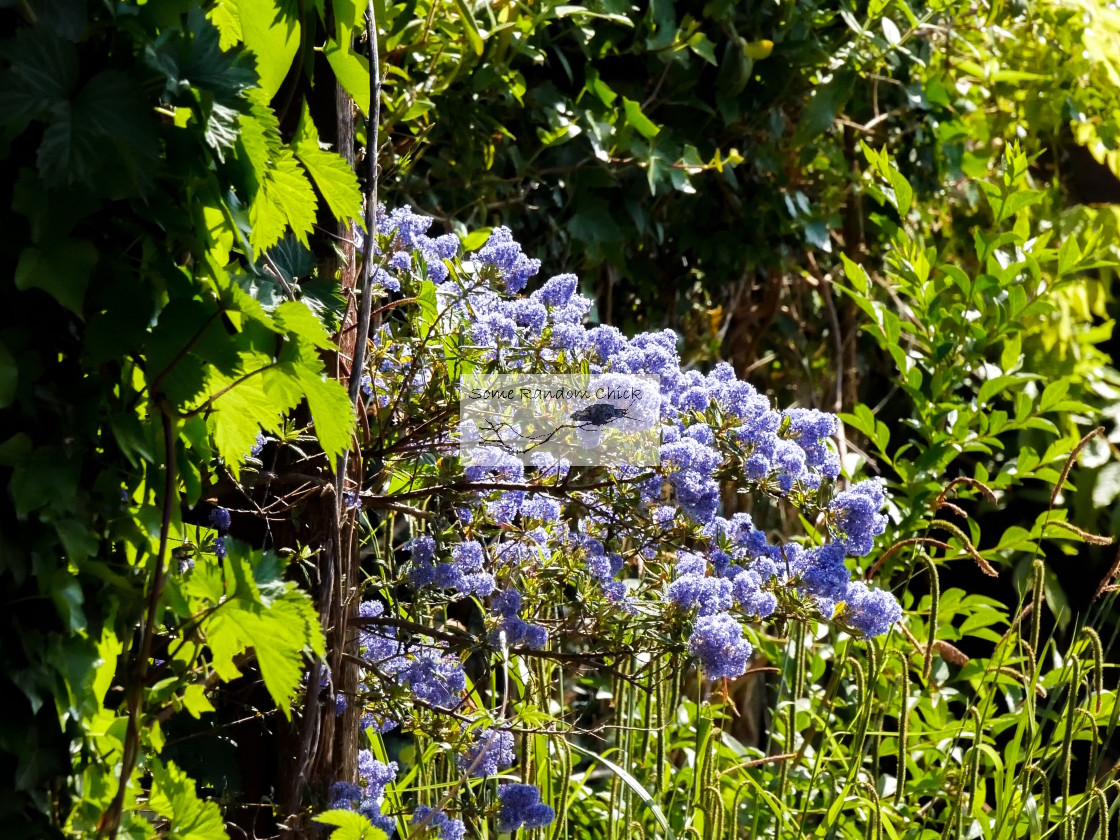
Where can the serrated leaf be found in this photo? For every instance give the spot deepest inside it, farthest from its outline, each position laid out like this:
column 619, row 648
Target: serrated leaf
column 331, row 411
column 336, row 180
column 351, row 826
column 195, row 700
column 295, row 317
column 284, row 200
column 278, row 628
column 173, row 797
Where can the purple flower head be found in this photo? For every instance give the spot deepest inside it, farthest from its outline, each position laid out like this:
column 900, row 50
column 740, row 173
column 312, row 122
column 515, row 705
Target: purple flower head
column 821, row 569
column 521, row 807
column 258, row 445
column 219, row 519
column 569, row 337
column 871, row 611
column 423, row 548
column 541, row 508
column 504, row 254
column 556, row 291
column 717, row 641
column 857, row 516
column 709, row 595
column 606, row 341
column 527, row 313
column 429, row 821
column 220, row 550
column 407, row 226
column 491, row 751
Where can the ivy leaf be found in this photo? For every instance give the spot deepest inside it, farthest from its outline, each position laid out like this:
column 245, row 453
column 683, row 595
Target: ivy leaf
column 271, row 31
column 351, row 826
column 198, row 57
column 44, row 69
column 640, row 122
column 173, row 797
column 331, row 173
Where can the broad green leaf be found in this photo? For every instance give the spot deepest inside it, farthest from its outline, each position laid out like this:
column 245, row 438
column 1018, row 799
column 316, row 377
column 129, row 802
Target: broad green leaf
column 173, row 797
column 271, row 31
column 195, row 700
column 352, row 72
column 62, row 271
column 294, row 317
column 284, row 200
column 824, row 105
column 640, row 122
column 330, row 410
column 336, row 180
column 856, row 274
column 351, row 826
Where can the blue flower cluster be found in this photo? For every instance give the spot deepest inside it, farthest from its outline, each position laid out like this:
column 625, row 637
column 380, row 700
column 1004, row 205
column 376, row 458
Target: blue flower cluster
column 436, row 821
column 511, row 629
column 715, row 428
column 220, row 520
column 521, row 807
column 491, row 751
column 366, row 796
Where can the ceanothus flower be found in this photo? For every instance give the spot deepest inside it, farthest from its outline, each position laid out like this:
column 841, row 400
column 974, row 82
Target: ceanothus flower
column 521, row 807
column 871, row 611
column 219, row 519
column 717, row 641
column 425, row 818
column 513, row 630
column 366, row 796
column 556, row 291
column 502, row 252
column 857, row 516
column 491, row 751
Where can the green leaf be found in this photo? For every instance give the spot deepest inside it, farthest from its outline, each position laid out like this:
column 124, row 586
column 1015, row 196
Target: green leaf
column 903, row 193
column 856, row 274
column 173, row 797
column 284, row 199
column 271, row 31
column 336, row 180
column 9, row 376
column 195, row 700
column 295, row 317
column 825, row 104
column 631, row 783
column 429, row 310
column 640, row 122
column 474, row 37
column 62, row 271
column 331, row 411
column 352, row 72
column 278, row 627
column 351, row 826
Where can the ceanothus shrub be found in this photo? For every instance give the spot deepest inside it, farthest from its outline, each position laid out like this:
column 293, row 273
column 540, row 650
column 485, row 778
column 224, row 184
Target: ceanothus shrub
column 655, row 566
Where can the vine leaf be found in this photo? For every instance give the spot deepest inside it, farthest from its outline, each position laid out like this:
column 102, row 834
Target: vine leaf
column 333, row 176
column 173, row 797
column 271, row 31
column 351, row 826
